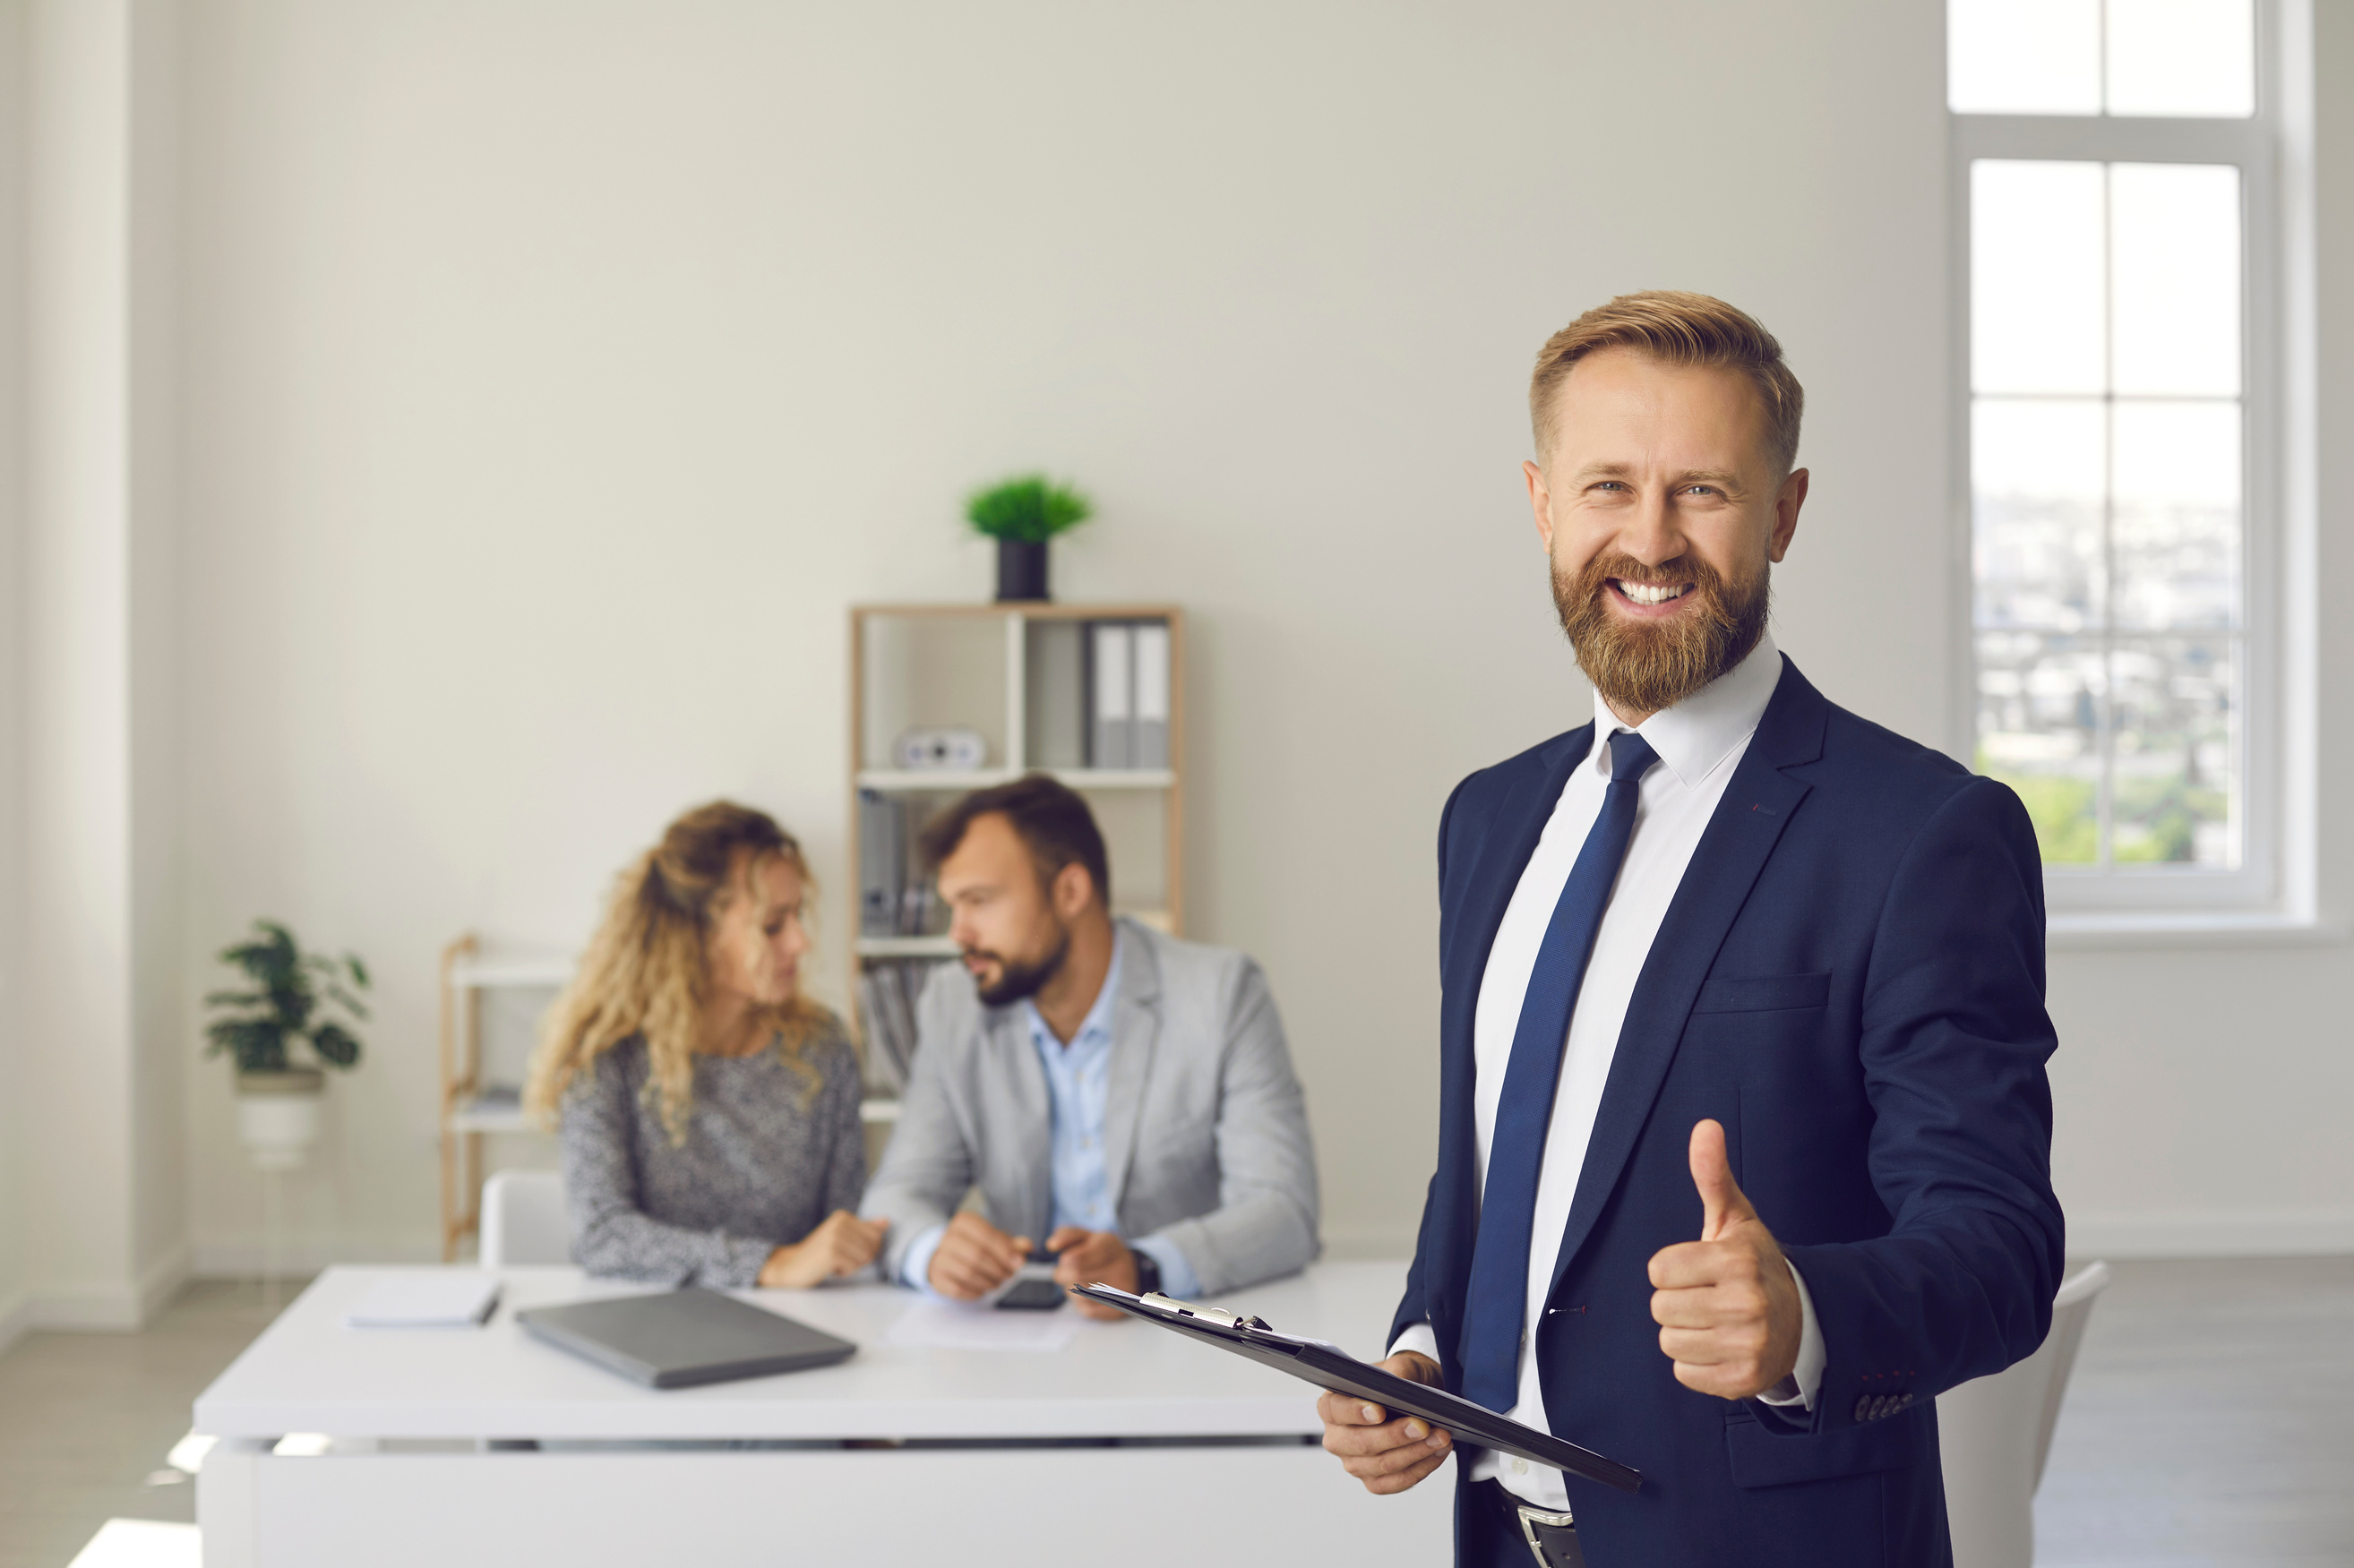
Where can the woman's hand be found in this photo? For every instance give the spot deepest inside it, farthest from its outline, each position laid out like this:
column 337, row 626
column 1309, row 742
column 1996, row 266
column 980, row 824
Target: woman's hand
column 842, row 1244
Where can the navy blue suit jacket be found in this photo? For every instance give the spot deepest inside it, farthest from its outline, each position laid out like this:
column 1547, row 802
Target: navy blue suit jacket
column 1850, row 979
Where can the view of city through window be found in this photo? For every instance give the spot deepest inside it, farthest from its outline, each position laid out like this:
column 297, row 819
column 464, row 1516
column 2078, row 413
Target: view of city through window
column 2107, row 434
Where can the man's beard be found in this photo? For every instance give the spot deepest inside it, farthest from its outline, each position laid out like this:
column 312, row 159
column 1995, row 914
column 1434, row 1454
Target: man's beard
column 1017, row 981
column 1643, row 668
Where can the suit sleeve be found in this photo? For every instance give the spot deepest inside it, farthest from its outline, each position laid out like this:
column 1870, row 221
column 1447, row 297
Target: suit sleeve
column 1954, row 1042
column 928, row 1165
column 1265, row 1221
column 1413, row 1307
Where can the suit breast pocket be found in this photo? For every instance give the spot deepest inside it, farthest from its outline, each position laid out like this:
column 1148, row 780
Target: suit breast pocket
column 1764, row 993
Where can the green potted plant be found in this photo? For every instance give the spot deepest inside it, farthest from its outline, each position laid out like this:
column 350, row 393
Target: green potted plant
column 1022, row 515
column 290, row 998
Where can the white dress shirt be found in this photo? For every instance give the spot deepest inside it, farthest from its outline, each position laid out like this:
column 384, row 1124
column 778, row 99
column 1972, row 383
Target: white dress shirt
column 1700, row 742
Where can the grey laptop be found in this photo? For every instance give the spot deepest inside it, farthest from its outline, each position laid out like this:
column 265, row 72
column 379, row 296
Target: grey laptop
column 683, row 1338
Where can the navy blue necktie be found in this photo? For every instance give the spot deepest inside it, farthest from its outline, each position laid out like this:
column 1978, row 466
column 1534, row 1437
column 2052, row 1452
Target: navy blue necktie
column 1497, row 1305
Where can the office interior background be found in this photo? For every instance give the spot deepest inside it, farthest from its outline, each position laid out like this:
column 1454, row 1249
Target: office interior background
column 440, row 442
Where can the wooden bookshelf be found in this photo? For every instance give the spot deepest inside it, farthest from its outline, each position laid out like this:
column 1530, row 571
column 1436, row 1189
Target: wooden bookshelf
column 979, row 667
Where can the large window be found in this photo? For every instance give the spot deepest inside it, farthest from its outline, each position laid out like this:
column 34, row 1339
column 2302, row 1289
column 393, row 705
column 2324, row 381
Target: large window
column 2114, row 163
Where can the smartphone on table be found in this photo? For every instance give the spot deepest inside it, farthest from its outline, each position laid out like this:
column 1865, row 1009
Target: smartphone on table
column 1034, row 1289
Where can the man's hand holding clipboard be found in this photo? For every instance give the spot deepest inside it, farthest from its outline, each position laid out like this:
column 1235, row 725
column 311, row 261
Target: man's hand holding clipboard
column 1394, row 1396
column 1387, row 1453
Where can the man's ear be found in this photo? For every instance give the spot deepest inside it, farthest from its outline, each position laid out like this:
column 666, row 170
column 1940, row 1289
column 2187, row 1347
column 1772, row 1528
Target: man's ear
column 1540, row 503
column 1072, row 890
column 1792, row 496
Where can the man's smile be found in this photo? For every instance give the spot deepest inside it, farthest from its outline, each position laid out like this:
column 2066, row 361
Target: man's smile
column 1647, row 596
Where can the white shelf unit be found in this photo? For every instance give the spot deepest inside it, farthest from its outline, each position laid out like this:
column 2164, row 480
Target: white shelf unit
column 917, row 782
column 906, row 947
column 972, row 666
column 471, row 1109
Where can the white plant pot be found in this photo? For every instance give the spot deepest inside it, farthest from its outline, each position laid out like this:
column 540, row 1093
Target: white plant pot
column 278, row 1115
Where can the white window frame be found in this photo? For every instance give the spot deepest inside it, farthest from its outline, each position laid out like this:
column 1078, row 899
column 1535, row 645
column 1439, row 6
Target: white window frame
column 2273, row 882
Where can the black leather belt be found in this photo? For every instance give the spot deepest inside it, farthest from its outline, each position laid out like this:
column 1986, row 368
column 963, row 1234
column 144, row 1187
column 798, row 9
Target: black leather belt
column 1551, row 1537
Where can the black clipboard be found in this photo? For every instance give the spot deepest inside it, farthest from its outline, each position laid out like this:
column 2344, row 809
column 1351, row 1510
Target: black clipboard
column 1330, row 1367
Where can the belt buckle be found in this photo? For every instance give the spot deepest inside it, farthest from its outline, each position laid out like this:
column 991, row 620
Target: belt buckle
column 1530, row 1519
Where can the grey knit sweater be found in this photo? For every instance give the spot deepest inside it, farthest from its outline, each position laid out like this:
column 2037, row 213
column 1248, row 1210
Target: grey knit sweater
column 757, row 1171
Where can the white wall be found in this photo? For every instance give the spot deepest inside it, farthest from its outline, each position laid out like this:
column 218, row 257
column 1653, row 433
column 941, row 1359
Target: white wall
column 15, row 1261
column 100, row 1107
column 555, row 373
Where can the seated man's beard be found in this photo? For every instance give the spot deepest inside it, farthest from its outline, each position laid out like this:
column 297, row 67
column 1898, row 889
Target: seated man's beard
column 1645, row 667
column 1016, row 981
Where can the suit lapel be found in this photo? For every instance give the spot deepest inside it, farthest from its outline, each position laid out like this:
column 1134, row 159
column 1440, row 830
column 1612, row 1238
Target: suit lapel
column 1135, row 1032
column 1739, row 839
column 1016, row 1056
column 1504, row 853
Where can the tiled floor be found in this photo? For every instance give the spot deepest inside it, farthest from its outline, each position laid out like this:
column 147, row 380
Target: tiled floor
column 2210, row 1421
column 84, row 1418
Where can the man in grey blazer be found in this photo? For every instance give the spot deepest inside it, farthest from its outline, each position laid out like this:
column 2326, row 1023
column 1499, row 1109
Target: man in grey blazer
column 1125, row 1095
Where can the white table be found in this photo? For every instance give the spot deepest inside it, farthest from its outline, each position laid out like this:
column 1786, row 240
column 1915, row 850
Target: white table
column 961, row 1456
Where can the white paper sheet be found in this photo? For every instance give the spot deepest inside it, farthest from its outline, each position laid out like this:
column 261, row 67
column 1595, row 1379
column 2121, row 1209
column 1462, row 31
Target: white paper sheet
column 953, row 1326
column 452, row 1298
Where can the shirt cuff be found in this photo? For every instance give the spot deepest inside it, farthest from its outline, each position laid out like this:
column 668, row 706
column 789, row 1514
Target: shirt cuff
column 1177, row 1276
column 1805, row 1378
column 1419, row 1338
column 916, row 1262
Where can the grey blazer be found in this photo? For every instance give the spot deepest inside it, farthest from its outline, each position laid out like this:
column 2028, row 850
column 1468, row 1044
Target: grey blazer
column 1205, row 1131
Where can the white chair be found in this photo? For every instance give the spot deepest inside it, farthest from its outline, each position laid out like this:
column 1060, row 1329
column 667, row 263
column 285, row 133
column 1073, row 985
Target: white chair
column 523, row 1219
column 1994, row 1433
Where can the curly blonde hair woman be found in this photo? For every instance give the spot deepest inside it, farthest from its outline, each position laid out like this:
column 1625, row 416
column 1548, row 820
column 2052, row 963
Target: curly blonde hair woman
column 709, row 1110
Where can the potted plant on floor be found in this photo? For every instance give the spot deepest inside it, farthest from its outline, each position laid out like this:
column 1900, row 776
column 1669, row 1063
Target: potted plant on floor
column 291, row 997
column 1022, row 515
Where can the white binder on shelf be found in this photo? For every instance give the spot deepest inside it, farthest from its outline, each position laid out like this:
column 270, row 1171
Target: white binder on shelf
column 1149, row 742
column 1111, row 730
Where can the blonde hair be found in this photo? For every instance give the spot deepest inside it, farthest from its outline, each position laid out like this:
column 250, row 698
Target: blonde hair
column 1681, row 329
column 646, row 973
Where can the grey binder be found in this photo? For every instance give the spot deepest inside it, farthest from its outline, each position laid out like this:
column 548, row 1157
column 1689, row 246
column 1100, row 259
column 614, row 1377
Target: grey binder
column 683, row 1338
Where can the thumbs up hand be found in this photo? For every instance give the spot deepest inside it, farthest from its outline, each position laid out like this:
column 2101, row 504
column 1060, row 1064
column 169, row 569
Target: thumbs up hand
column 1727, row 1310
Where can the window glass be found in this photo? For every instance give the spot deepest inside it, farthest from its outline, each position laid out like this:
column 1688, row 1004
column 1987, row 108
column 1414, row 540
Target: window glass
column 2038, row 486
column 2181, row 57
column 2023, row 57
column 2040, row 701
column 2172, row 721
column 2175, row 523
column 2175, row 271
column 2107, row 505
column 2037, row 289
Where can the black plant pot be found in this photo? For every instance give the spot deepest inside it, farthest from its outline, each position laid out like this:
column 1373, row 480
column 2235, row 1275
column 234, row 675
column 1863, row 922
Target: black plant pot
column 1021, row 570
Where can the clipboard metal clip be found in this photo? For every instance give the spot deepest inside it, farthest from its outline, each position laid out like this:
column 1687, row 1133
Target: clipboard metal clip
column 1175, row 1308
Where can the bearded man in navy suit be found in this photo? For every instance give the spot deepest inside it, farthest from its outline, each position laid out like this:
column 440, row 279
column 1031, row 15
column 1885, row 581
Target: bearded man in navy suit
column 1744, row 1137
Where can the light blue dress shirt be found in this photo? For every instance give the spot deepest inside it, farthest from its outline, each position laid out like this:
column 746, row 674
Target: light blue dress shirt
column 1078, row 1077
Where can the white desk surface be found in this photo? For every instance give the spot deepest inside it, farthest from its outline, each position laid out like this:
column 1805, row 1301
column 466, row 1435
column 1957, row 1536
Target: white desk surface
column 308, row 1372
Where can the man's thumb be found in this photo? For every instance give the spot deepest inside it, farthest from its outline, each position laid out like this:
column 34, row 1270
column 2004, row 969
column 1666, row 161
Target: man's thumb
column 1721, row 1203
